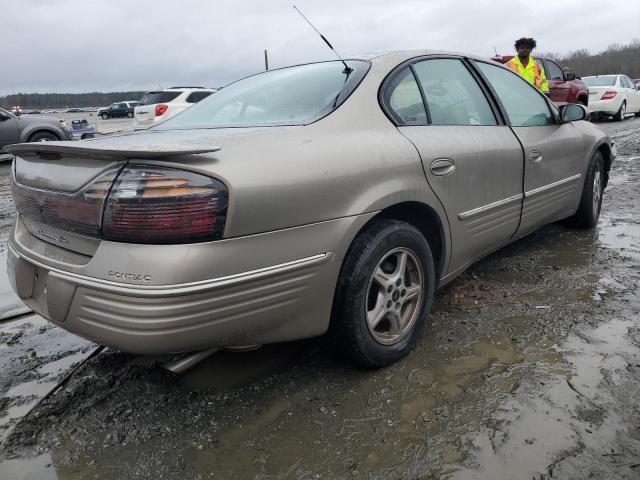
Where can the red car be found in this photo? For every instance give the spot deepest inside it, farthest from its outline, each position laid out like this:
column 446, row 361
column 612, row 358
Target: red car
column 563, row 87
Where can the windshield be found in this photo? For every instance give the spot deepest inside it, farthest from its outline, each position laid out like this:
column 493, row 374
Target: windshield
column 603, row 81
column 288, row 96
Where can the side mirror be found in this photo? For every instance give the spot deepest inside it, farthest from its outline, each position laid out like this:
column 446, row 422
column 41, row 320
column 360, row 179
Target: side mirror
column 570, row 76
column 572, row 112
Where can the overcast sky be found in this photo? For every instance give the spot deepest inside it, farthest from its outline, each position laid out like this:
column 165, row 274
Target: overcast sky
column 115, row 45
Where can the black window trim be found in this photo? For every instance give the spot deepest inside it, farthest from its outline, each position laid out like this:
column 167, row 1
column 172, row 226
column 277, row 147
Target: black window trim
column 384, row 94
column 550, row 106
column 425, row 105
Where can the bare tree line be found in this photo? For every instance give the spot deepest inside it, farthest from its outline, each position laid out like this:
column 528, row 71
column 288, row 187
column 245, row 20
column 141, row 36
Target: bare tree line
column 617, row 58
column 66, row 100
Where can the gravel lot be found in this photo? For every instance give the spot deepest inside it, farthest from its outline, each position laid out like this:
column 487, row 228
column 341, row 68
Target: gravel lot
column 530, row 370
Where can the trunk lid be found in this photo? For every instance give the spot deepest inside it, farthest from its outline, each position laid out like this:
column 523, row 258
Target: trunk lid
column 69, row 166
column 60, row 188
column 595, row 93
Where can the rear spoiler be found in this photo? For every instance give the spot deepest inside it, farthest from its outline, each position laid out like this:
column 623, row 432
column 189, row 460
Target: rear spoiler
column 134, row 151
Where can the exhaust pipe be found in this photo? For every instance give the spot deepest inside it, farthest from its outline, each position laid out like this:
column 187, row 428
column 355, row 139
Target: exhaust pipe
column 185, row 362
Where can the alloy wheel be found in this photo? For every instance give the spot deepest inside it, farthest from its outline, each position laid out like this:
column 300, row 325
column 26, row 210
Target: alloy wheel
column 597, row 190
column 394, row 296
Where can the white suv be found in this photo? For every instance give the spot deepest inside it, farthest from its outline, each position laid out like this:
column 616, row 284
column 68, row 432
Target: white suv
column 159, row 105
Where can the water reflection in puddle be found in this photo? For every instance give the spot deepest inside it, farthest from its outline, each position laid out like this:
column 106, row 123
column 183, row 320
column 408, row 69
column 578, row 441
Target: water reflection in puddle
column 33, row 356
column 40, row 468
column 567, row 414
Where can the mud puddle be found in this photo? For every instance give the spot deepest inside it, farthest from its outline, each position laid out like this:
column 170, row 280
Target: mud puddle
column 34, row 355
column 10, row 304
column 567, row 415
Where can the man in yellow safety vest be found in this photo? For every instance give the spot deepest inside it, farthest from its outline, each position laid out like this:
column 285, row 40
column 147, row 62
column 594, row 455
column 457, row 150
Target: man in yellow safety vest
column 525, row 65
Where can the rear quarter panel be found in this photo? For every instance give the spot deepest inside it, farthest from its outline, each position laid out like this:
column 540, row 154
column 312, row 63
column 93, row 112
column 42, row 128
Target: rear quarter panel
column 351, row 162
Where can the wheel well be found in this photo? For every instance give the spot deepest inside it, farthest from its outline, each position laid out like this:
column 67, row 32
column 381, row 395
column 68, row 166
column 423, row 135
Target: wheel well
column 42, row 130
column 584, row 99
column 425, row 219
column 606, row 153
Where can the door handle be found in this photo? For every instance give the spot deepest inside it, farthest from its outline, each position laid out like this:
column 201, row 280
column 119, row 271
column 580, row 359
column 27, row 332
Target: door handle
column 442, row 166
column 535, row 156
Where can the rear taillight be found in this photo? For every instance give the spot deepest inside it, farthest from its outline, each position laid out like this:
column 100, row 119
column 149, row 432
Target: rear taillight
column 608, row 95
column 80, row 213
column 136, row 204
column 161, row 108
column 151, row 204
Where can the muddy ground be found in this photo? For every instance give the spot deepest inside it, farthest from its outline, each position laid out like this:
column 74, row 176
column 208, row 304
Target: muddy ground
column 530, row 370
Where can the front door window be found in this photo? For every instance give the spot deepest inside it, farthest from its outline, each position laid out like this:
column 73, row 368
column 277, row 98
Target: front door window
column 524, row 104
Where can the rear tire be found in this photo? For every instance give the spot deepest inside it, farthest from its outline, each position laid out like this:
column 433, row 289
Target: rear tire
column 384, row 294
column 591, row 201
column 43, row 137
column 622, row 112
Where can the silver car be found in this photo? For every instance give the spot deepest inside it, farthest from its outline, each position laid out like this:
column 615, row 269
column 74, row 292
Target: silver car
column 308, row 199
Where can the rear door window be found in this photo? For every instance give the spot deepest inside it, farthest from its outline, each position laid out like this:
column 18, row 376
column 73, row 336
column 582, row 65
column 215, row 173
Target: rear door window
column 524, row 104
column 151, row 98
column 453, row 96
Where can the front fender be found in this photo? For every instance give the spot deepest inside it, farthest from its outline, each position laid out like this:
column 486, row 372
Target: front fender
column 29, row 130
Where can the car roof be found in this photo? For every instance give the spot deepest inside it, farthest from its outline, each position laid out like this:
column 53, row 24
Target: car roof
column 180, row 89
column 402, row 55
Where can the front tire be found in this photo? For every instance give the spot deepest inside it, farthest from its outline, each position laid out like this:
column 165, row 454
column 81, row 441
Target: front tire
column 43, row 137
column 622, row 112
column 105, row 116
column 591, row 201
column 384, row 294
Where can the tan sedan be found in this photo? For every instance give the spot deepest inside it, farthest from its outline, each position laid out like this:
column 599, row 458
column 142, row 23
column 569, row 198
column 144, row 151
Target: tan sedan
column 298, row 201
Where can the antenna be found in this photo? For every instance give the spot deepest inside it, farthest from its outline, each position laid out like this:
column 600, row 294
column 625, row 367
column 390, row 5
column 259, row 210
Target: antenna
column 496, row 50
column 347, row 69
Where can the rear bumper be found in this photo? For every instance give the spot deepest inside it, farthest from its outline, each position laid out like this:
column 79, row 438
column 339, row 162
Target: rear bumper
column 282, row 301
column 608, row 107
column 251, row 308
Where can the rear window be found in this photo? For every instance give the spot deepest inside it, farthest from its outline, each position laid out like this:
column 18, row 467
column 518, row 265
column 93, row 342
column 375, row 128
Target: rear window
column 288, row 96
column 604, row 81
column 158, row 97
column 195, row 97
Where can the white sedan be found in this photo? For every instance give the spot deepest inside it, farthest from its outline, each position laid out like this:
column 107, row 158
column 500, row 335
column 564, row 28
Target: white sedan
column 614, row 95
